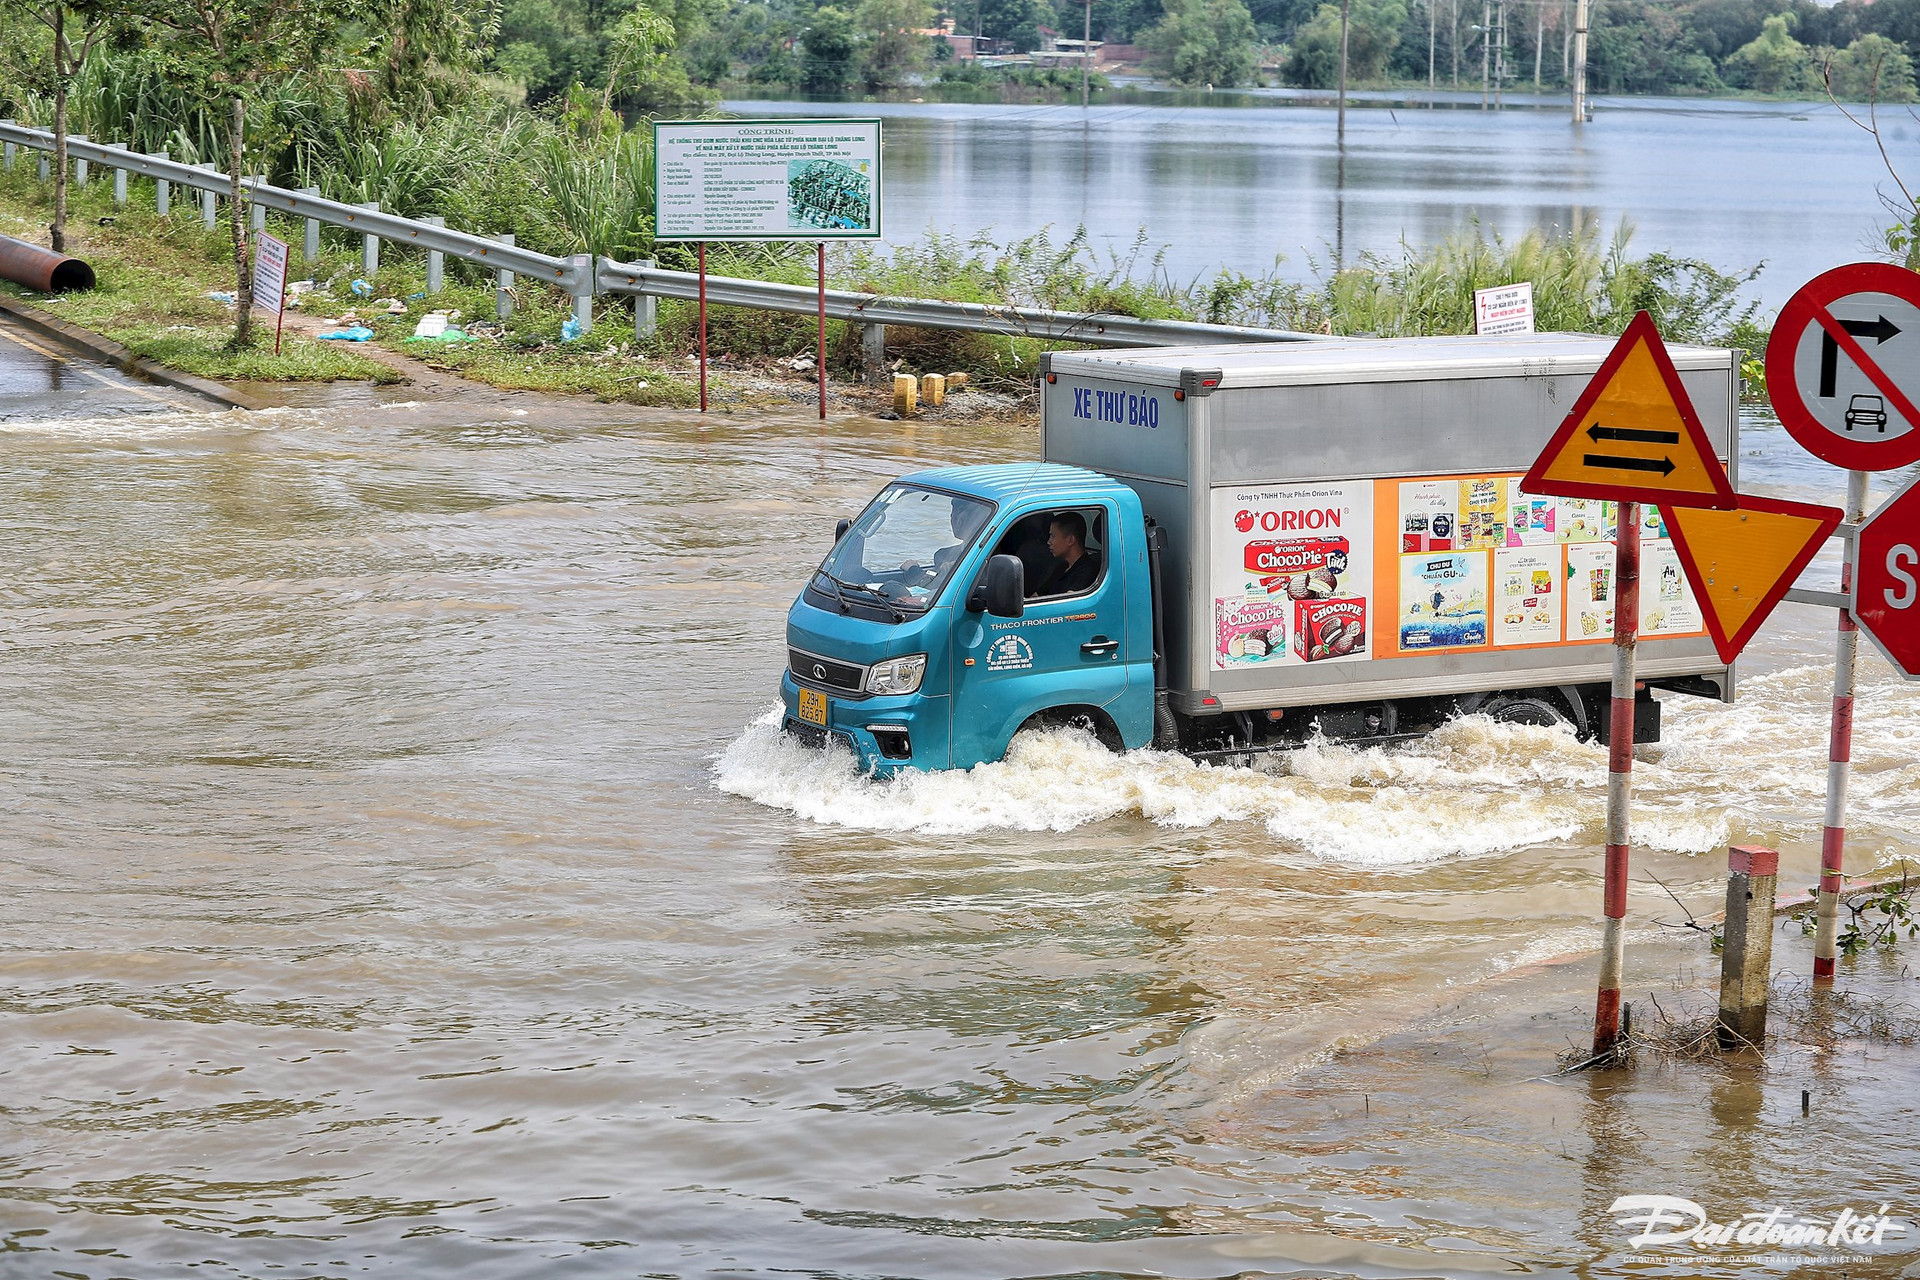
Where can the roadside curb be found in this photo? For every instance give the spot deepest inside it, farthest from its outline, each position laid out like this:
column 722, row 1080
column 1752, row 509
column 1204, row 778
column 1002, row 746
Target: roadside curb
column 115, row 354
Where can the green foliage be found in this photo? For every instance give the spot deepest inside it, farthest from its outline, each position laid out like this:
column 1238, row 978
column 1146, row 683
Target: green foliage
column 602, row 193
column 1205, row 42
column 1871, row 69
column 1876, row 921
column 891, row 47
column 1773, row 61
column 1373, row 30
column 829, row 44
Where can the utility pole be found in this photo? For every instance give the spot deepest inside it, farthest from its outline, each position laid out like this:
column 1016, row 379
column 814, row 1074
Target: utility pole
column 1486, row 49
column 1086, row 51
column 1343, row 77
column 1580, row 11
column 1433, row 35
column 1500, row 63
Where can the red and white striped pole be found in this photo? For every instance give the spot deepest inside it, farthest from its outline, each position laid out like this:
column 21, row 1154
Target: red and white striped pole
column 1833, row 832
column 1626, row 632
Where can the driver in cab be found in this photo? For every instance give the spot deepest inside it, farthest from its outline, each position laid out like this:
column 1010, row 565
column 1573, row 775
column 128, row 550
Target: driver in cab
column 1075, row 568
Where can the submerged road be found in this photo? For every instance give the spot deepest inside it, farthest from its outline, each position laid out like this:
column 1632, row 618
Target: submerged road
column 401, row 880
column 41, row 379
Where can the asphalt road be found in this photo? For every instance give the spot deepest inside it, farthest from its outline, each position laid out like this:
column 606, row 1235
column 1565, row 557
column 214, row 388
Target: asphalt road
column 40, row 380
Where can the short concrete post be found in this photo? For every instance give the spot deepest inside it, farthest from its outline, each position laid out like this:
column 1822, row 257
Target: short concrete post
column 162, row 189
column 503, row 285
column 436, row 260
column 583, row 302
column 906, row 394
column 9, row 152
column 310, row 244
column 1746, row 957
column 873, row 354
column 79, row 165
column 933, row 389
column 46, row 167
column 209, row 214
column 119, row 183
column 259, row 220
column 646, row 308
column 370, row 246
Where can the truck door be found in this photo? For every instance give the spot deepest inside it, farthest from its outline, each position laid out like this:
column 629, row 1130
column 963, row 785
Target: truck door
column 1067, row 649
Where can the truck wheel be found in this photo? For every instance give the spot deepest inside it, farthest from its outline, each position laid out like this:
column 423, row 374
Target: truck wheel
column 1525, row 709
column 1085, row 719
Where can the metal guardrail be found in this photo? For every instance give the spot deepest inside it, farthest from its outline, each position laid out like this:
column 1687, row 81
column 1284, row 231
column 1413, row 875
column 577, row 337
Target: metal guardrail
column 579, row 277
column 1099, row 330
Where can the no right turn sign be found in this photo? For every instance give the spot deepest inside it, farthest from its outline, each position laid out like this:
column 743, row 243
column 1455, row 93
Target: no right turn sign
column 1843, row 366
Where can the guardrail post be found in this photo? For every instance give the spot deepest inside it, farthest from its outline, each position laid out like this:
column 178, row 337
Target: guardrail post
column 310, row 246
column 873, row 353
column 646, row 308
column 162, row 189
column 209, row 212
column 503, row 285
column 259, row 220
column 436, row 260
column 1746, row 954
column 120, row 181
column 79, row 165
column 583, row 301
column 46, row 167
column 9, row 152
column 370, row 246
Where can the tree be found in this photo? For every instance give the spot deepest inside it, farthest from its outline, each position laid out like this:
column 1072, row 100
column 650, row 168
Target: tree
column 1373, row 30
column 892, row 46
column 1209, row 42
column 1871, row 69
column 225, row 49
column 829, row 45
column 1773, row 61
column 75, row 28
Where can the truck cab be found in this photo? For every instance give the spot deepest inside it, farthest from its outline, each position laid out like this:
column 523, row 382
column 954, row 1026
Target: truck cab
column 919, row 643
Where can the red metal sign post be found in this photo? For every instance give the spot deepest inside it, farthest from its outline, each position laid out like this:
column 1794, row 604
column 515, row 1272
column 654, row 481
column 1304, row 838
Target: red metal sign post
column 703, row 326
column 1632, row 436
column 1857, row 406
column 820, row 353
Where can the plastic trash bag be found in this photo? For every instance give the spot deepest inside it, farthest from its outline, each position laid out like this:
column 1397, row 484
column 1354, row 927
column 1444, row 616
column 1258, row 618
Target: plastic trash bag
column 569, row 329
column 361, row 289
column 356, row 333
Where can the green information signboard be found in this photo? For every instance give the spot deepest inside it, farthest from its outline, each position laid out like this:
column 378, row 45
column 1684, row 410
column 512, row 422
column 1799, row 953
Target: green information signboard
column 767, row 179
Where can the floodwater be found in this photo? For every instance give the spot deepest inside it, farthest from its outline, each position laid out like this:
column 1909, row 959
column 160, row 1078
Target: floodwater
column 402, row 879
column 1793, row 186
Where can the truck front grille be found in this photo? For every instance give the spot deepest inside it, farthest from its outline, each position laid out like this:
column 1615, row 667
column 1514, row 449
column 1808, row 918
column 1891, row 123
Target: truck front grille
column 813, row 669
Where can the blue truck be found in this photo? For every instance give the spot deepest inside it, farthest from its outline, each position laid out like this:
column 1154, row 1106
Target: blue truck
column 1224, row 551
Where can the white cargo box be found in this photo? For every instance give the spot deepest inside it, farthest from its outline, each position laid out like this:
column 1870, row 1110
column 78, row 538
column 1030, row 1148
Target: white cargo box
column 1344, row 519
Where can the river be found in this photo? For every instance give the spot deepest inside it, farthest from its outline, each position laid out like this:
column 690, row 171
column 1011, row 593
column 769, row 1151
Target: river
column 1789, row 187
column 402, row 879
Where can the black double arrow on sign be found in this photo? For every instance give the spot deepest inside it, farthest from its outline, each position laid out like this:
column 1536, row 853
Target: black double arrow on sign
column 1634, row 435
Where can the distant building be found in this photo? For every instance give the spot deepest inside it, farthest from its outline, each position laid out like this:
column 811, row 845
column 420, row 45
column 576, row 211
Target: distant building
column 1057, row 50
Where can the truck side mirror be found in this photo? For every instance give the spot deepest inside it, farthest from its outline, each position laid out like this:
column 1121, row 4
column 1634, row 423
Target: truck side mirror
column 1001, row 588
column 840, row 529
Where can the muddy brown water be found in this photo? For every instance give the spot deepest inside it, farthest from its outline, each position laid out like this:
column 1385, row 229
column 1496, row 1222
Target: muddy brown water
column 401, row 878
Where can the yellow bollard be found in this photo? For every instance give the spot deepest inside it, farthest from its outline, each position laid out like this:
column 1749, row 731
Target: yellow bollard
column 956, row 381
column 906, row 394
column 933, row 389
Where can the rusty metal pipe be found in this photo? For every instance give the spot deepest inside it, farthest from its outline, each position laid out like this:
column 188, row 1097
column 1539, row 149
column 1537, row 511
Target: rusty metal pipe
column 42, row 269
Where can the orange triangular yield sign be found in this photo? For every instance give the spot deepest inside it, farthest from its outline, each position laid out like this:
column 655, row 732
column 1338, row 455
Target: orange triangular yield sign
column 1633, row 435
column 1741, row 562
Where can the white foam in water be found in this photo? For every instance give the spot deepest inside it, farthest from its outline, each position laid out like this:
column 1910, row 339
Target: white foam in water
column 1472, row 788
column 1444, row 796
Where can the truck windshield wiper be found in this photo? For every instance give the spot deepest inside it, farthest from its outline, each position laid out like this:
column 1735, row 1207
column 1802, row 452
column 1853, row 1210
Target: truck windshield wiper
column 839, row 593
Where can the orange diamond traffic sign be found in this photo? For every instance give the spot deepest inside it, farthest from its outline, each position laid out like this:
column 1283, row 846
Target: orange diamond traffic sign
column 1741, row 562
column 1633, row 435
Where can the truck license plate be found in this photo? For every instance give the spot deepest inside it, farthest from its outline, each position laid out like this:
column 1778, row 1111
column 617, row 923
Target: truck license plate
column 813, row 707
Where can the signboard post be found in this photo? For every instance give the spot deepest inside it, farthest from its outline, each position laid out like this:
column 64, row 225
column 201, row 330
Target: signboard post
column 1843, row 370
column 1506, row 308
column 790, row 179
column 270, row 279
column 1632, row 436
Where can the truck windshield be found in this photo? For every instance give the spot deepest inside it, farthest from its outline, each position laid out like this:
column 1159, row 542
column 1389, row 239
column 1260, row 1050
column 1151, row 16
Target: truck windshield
column 904, row 547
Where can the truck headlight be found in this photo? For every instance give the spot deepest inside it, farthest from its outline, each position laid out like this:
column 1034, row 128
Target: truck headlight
column 897, row 675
